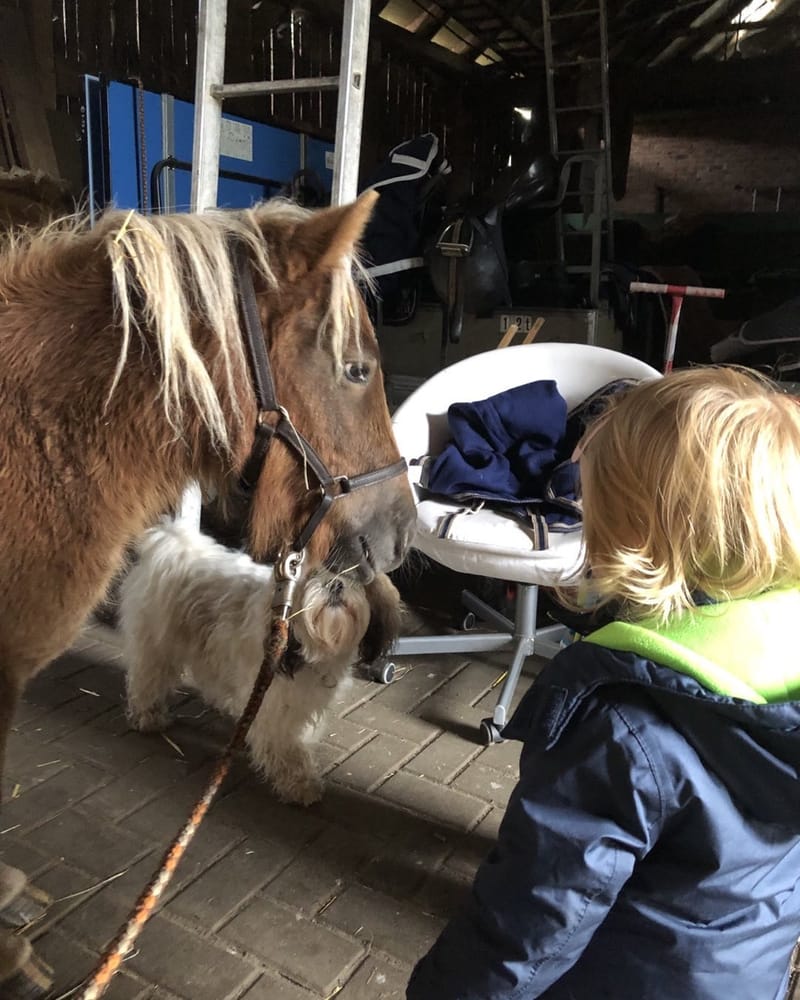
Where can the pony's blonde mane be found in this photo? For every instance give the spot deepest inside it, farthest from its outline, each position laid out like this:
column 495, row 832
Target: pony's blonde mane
column 173, row 272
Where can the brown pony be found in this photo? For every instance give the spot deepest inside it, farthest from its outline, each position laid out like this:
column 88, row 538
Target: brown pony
column 123, row 377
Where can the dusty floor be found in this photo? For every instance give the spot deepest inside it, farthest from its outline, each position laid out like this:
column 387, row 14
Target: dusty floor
column 272, row 902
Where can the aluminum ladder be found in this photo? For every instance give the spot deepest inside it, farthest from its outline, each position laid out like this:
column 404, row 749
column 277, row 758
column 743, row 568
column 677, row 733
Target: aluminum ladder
column 594, row 160
column 211, row 90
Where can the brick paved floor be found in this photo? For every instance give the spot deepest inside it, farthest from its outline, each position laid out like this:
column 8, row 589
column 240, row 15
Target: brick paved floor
column 272, row 902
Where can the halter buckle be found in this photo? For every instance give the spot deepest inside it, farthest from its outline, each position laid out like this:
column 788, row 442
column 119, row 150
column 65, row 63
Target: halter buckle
column 288, row 570
column 343, row 482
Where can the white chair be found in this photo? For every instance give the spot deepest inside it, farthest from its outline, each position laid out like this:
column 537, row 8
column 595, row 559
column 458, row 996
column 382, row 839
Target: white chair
column 485, row 543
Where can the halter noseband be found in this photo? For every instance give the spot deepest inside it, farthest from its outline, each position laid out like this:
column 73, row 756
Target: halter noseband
column 331, row 487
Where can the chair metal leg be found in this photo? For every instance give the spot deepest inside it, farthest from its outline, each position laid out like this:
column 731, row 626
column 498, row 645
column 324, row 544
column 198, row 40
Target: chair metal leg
column 457, row 642
column 524, row 634
column 548, row 640
column 520, row 635
column 486, row 613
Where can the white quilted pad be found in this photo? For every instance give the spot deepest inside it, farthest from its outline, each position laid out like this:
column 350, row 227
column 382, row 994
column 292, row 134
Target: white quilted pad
column 490, row 544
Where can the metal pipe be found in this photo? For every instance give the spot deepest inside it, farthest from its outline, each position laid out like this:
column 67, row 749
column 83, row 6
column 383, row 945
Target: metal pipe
column 170, row 163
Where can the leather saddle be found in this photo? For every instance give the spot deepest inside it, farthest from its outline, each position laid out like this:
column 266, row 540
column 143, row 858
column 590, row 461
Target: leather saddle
column 770, row 340
column 467, row 260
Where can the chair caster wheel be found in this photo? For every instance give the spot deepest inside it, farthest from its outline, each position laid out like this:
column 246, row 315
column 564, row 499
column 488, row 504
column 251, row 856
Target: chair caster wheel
column 469, row 621
column 382, row 671
column 490, row 733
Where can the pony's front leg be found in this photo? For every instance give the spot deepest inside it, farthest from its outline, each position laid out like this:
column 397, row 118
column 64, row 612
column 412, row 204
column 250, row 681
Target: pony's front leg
column 22, row 976
column 280, row 737
column 10, row 690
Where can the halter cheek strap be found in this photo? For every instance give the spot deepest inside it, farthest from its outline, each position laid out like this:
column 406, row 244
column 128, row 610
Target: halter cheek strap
column 331, row 487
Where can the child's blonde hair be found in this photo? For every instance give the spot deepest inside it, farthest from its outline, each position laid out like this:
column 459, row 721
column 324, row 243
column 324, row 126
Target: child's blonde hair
column 691, row 483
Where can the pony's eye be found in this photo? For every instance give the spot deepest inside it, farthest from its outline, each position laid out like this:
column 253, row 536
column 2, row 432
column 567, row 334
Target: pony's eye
column 357, row 371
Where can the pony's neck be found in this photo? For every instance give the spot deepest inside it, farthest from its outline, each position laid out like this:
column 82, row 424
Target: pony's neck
column 179, row 444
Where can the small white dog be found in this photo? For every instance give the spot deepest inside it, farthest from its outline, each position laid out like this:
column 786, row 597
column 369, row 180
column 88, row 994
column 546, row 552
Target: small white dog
column 192, row 610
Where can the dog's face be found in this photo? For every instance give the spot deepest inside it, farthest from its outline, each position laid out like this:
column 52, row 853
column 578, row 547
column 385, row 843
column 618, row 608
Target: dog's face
column 334, row 618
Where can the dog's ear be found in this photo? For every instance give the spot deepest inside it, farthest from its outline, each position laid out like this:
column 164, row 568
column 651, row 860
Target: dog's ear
column 384, row 620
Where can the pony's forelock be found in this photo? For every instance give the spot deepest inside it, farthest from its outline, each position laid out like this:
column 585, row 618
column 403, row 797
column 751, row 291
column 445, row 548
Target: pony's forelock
column 342, row 317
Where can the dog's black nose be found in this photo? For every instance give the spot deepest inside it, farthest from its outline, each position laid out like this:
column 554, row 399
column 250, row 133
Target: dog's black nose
column 335, row 588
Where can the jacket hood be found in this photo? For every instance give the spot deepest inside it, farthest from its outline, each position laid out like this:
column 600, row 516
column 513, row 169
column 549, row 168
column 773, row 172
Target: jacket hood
column 728, row 680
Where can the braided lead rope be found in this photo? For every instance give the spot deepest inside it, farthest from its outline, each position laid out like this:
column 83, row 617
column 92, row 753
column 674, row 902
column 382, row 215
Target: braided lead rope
column 122, row 944
column 794, row 972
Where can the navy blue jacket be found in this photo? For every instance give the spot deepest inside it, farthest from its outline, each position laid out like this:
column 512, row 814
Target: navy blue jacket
column 651, row 850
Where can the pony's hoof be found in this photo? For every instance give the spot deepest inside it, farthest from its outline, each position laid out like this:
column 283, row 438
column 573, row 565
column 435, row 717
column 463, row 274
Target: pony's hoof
column 20, row 902
column 28, row 907
column 23, row 976
column 12, row 883
column 151, row 720
column 33, row 982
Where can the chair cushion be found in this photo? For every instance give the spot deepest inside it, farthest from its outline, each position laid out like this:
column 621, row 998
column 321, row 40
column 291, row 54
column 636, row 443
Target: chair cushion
column 485, row 543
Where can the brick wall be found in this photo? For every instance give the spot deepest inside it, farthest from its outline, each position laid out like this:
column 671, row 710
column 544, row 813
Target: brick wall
column 710, row 161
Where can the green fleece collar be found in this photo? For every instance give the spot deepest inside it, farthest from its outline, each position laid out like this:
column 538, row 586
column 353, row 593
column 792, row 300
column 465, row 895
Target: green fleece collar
column 748, row 649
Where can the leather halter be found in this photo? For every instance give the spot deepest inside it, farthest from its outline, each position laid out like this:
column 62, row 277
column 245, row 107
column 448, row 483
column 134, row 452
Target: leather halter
column 330, row 487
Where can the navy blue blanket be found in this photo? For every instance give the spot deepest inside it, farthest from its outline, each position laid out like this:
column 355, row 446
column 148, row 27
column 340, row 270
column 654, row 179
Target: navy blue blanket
column 514, row 450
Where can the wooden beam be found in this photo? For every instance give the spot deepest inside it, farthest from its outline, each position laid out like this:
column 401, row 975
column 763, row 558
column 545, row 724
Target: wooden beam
column 694, row 39
column 520, row 25
column 397, row 38
column 710, row 83
column 483, row 41
column 20, row 84
column 40, row 30
column 473, row 48
column 724, row 26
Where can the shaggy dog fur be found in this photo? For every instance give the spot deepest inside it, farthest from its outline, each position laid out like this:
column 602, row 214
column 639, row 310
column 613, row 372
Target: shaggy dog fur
column 193, row 610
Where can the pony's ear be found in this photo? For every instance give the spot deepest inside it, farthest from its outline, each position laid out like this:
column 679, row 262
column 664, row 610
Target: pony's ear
column 330, row 235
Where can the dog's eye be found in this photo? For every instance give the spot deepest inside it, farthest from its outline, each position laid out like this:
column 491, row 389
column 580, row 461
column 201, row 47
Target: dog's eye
column 357, row 371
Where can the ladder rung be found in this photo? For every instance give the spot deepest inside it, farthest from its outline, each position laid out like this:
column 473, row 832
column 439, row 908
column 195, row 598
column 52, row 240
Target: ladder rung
column 576, row 62
column 576, row 152
column 275, row 87
column 579, row 107
column 575, row 13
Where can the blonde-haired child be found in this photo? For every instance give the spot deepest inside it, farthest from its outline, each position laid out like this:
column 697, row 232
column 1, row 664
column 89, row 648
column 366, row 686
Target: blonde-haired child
column 651, row 848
